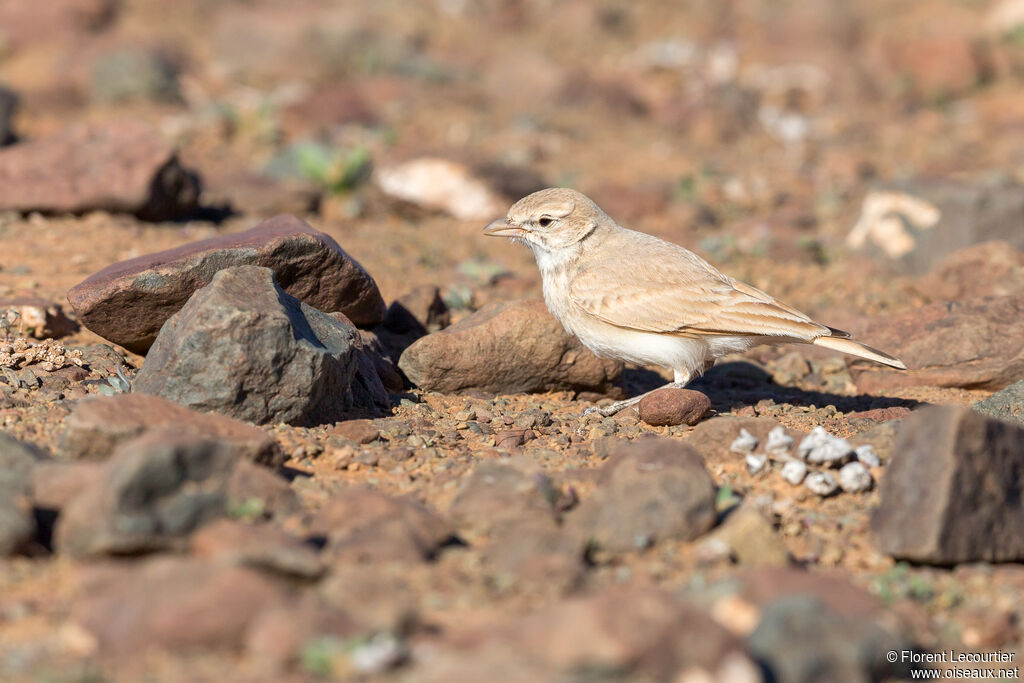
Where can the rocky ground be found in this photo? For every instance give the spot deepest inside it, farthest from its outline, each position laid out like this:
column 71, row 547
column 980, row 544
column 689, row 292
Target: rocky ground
column 272, row 407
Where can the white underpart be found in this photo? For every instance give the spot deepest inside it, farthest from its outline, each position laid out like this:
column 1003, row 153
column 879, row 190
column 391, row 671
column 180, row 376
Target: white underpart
column 685, row 356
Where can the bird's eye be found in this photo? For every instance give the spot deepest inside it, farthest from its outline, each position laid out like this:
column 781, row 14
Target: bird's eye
column 545, row 221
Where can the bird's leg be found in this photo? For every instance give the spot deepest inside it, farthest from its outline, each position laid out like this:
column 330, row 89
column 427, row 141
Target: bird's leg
column 680, row 381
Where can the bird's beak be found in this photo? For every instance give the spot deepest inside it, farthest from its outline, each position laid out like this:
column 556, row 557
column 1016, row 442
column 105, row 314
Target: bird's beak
column 502, row 228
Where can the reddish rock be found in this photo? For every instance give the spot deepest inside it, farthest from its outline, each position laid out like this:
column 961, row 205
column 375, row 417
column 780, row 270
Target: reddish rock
column 512, row 438
column 262, row 546
column 120, row 167
column 97, row 425
column 360, row 431
column 880, row 414
column 361, row 525
column 643, row 632
column 173, row 603
column 986, row 269
column 507, row 347
column 278, row 636
column 129, row 301
column 977, row 344
column 674, row 407
column 56, row 483
column 505, row 494
column 713, row 438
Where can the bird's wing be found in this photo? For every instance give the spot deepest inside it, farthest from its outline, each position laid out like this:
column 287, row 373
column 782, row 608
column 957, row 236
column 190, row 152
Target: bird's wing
column 672, row 290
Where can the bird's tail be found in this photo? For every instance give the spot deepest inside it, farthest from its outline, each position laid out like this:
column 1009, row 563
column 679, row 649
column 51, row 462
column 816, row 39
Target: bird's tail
column 855, row 348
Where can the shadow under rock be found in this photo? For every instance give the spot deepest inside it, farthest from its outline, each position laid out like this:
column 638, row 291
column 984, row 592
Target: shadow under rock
column 739, row 383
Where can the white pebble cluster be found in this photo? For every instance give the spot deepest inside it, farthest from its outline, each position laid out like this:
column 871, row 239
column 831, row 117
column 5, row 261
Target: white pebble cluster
column 816, row 453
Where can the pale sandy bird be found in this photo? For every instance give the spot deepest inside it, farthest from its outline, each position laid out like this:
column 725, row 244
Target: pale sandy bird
column 634, row 297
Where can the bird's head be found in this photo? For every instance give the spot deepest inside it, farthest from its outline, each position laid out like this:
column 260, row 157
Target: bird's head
column 551, row 219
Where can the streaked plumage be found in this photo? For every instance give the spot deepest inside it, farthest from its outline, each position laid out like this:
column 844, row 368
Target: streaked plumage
column 634, row 297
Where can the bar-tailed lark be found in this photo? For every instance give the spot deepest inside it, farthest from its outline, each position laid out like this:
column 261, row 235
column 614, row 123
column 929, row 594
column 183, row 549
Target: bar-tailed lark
column 634, row 297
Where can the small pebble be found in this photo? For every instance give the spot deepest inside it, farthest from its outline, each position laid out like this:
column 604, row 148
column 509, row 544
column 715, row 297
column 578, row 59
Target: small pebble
column 821, row 483
column 854, row 478
column 866, row 454
column 744, row 443
column 794, row 472
column 779, row 442
column 821, row 448
column 756, row 463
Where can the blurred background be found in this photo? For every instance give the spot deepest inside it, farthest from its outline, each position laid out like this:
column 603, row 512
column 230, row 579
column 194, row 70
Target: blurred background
column 738, row 127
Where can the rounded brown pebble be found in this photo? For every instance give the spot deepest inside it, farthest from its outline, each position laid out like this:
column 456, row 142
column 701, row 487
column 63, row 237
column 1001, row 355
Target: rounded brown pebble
column 360, row 431
column 671, row 406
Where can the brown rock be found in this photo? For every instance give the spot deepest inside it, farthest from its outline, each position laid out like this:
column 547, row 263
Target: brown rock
column 673, row 407
column 361, row 526
column 751, row 539
column 977, row 344
column 38, row 318
column 154, row 491
column 507, row 347
column 986, row 269
column 276, row 638
column 501, row 494
column 173, row 603
column 359, row 431
column 122, row 167
column 951, row 492
column 259, row 492
column 97, row 425
column 129, row 301
column 649, row 490
column 261, row 546
column 56, row 483
column 647, row 633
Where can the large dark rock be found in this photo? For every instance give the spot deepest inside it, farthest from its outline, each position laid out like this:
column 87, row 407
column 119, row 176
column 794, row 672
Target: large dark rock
column 801, row 640
column 96, row 426
column 1007, row 404
column 129, row 301
column 16, row 521
column 649, row 490
column 243, row 347
column 977, row 344
column 952, row 490
column 120, row 167
column 507, row 347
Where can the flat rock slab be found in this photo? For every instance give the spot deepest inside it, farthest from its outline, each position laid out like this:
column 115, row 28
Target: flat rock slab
column 952, row 490
column 124, row 167
column 504, row 348
column 129, row 301
column 96, row 426
column 244, row 348
column 976, row 344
